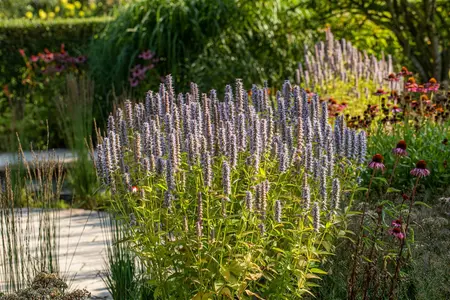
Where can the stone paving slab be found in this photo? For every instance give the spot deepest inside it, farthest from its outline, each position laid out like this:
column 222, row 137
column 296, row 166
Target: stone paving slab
column 82, row 256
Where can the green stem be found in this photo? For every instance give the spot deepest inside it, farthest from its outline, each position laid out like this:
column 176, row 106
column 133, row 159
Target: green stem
column 402, row 244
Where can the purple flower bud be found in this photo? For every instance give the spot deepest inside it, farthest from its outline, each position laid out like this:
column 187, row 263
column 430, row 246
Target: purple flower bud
column 249, row 200
column 199, row 208
column 137, row 147
column 160, row 166
column 262, row 229
column 323, row 187
column 277, row 211
column 127, row 181
column 168, row 200
column 316, row 216
column 111, row 124
column 306, row 194
column 207, row 169
column 362, row 147
column 129, row 114
column 226, row 180
column 170, row 176
column 335, row 194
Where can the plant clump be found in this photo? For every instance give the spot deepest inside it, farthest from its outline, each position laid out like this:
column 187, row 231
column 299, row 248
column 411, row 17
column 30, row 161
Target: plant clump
column 47, row 286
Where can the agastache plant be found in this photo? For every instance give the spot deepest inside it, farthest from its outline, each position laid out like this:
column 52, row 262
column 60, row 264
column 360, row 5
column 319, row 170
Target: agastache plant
column 230, row 170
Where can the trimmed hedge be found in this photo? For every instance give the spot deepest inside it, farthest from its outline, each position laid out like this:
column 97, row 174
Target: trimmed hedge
column 35, row 35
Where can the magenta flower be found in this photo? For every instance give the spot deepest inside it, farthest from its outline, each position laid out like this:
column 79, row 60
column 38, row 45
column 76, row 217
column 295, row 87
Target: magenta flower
column 59, row 68
column 392, row 77
column 404, row 72
column 133, row 82
column 397, row 232
column 48, row 57
column 397, row 223
column 400, row 149
column 380, row 92
column 146, row 55
column 34, row 58
column 80, row 59
column 396, row 109
column 420, row 170
column 377, row 162
column 432, row 85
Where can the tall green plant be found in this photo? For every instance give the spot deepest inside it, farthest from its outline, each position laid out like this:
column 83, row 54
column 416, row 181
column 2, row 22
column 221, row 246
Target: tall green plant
column 75, row 108
column 124, row 275
column 29, row 237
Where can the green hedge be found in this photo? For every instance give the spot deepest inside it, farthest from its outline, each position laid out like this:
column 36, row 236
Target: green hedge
column 36, row 35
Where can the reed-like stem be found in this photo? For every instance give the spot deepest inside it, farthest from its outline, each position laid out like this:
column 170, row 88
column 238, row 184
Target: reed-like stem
column 402, row 244
column 351, row 287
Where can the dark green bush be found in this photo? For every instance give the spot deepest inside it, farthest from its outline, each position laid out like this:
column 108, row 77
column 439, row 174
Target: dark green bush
column 25, row 108
column 206, row 41
column 34, row 36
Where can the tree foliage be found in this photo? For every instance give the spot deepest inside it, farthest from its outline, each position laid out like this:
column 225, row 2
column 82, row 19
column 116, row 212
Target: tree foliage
column 422, row 28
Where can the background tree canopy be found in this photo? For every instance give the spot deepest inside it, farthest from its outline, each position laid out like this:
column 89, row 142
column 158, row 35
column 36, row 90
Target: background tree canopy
column 422, row 28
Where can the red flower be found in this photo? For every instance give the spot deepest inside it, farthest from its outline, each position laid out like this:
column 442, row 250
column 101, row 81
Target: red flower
column 134, row 189
column 22, row 52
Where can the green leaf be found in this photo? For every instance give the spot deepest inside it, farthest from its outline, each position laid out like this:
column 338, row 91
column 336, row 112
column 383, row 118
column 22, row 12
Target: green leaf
column 318, row 271
column 422, row 203
column 392, row 190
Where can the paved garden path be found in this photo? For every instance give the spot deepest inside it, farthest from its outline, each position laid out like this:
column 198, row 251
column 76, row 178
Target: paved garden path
column 82, row 256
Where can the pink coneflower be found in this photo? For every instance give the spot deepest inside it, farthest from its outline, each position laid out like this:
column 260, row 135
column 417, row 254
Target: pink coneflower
column 400, row 149
column 404, row 72
column 380, row 92
column 419, row 89
column 432, row 85
column 22, row 52
column 414, row 103
column 80, row 59
column 34, row 58
column 420, row 170
column 59, row 68
column 133, row 82
column 392, row 77
column 377, row 162
column 146, row 55
column 411, row 84
column 397, row 223
column 396, row 109
column 393, row 95
column 49, row 57
column 397, row 232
